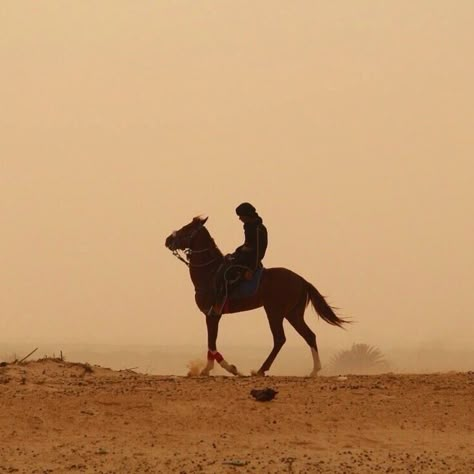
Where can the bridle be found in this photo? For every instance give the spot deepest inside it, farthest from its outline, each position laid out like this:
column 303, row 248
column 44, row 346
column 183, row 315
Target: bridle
column 189, row 252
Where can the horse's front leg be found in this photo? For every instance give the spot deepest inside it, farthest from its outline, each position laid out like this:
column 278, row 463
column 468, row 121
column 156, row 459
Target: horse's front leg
column 212, row 322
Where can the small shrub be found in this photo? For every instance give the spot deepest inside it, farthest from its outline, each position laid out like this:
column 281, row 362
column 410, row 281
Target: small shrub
column 360, row 359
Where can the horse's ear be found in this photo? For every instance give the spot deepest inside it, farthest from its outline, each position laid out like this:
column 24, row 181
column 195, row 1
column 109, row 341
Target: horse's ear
column 200, row 219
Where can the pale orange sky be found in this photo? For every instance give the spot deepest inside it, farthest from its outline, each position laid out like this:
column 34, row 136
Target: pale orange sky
column 349, row 125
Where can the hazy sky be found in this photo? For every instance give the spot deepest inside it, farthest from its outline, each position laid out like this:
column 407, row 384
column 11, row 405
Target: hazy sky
column 348, row 124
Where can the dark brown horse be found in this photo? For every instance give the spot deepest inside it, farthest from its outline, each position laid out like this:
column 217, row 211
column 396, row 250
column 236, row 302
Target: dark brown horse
column 282, row 293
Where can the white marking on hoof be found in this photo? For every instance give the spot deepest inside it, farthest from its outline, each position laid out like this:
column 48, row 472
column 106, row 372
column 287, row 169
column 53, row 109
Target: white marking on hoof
column 229, row 367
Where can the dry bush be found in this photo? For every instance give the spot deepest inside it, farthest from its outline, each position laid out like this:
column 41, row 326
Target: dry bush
column 360, row 359
column 9, row 358
column 88, row 369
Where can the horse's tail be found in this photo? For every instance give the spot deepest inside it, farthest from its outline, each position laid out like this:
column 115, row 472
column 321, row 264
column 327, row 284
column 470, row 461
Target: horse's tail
column 321, row 307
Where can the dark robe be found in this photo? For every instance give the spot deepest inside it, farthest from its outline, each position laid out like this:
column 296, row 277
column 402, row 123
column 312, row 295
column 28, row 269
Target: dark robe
column 253, row 250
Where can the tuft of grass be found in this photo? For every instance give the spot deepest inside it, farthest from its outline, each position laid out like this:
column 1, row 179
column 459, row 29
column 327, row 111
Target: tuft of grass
column 360, row 359
column 87, row 368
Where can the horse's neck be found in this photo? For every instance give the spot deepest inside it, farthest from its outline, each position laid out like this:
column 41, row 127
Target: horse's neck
column 205, row 261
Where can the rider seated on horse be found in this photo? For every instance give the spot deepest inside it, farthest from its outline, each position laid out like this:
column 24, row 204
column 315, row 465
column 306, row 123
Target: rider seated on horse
column 246, row 258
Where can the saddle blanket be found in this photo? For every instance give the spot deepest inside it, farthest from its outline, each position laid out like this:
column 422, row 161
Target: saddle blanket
column 247, row 288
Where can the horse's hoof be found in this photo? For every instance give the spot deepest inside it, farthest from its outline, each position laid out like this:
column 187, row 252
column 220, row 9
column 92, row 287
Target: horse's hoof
column 204, row 373
column 237, row 373
column 233, row 370
column 257, row 373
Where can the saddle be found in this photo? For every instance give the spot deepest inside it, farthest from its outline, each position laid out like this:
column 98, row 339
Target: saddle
column 235, row 282
column 248, row 285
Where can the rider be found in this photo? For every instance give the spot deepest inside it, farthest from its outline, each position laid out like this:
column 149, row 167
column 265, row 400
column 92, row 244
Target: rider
column 247, row 257
column 251, row 253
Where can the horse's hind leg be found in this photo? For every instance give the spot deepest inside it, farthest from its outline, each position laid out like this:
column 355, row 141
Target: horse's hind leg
column 276, row 325
column 296, row 319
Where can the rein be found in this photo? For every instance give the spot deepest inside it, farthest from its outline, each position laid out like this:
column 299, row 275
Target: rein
column 187, row 261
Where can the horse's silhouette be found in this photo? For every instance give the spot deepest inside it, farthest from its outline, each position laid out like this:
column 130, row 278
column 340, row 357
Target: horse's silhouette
column 282, row 293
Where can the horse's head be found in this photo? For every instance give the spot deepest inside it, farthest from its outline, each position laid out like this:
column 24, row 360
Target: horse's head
column 182, row 239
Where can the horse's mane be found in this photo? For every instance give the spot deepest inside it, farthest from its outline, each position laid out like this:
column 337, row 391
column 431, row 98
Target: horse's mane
column 212, row 241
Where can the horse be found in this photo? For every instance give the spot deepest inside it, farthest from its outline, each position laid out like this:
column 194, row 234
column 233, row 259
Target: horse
column 282, row 293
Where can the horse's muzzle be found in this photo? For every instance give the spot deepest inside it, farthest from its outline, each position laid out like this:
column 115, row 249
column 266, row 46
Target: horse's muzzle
column 169, row 242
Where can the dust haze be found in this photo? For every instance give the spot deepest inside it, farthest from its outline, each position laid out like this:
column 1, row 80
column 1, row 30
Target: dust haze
column 348, row 126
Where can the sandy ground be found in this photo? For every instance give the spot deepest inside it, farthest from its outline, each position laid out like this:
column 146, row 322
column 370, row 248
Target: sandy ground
column 61, row 417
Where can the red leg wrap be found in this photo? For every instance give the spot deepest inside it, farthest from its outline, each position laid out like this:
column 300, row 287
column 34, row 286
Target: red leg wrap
column 216, row 356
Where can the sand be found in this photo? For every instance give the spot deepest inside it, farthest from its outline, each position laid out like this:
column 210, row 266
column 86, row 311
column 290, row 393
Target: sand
column 59, row 417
